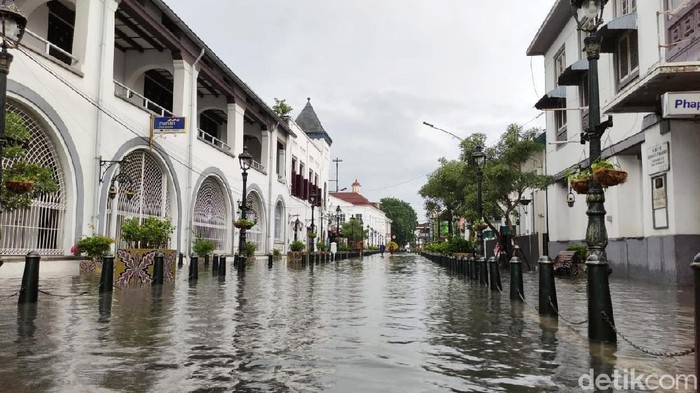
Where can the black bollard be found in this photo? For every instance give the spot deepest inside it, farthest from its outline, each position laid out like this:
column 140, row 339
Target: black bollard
column 107, row 275
column 474, row 272
column 158, row 268
column 303, row 259
column 548, row 292
column 494, row 277
column 235, row 260
column 180, row 257
column 194, row 266
column 696, row 271
column 222, row 266
column 468, row 267
column 516, row 279
column 215, row 265
column 29, row 293
column 269, row 260
column 206, row 260
column 483, row 271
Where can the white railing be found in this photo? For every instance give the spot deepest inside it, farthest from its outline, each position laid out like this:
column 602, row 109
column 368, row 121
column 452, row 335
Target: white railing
column 49, row 47
column 213, row 141
column 281, row 179
column 258, row 167
column 125, row 92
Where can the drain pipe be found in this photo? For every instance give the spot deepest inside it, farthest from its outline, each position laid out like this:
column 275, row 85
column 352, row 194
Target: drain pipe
column 190, row 155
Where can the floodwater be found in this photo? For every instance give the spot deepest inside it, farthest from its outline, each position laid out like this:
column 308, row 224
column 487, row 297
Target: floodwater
column 392, row 324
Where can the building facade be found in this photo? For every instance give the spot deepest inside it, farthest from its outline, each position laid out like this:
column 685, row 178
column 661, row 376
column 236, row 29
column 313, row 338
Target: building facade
column 377, row 226
column 88, row 81
column 648, row 69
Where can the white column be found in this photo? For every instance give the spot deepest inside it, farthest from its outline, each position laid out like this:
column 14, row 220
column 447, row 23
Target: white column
column 182, row 86
column 234, row 126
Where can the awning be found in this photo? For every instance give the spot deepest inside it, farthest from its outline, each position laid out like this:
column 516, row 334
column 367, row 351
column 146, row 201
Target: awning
column 555, row 98
column 611, row 31
column 574, row 73
column 645, row 94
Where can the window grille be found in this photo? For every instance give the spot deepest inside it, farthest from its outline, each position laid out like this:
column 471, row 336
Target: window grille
column 210, row 213
column 41, row 227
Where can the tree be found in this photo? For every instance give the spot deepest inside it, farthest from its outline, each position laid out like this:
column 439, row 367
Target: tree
column 281, row 108
column 444, row 191
column 403, row 217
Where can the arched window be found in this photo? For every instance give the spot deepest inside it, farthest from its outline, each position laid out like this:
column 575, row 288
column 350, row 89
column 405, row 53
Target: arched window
column 279, row 211
column 210, row 212
column 41, row 227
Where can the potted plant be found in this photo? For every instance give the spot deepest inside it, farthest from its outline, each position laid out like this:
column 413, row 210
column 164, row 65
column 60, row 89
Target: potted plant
column 608, row 174
column 250, row 249
column 479, row 225
column 134, row 265
column 276, row 253
column 243, row 223
column 296, row 248
column 580, row 180
column 203, row 246
column 311, row 235
column 93, row 246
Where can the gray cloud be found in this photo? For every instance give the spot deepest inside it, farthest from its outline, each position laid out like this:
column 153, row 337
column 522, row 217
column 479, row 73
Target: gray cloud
column 376, row 69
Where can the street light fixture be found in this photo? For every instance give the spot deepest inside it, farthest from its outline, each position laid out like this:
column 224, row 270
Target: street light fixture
column 589, row 16
column 337, row 223
column 245, row 160
column 479, row 158
column 12, row 23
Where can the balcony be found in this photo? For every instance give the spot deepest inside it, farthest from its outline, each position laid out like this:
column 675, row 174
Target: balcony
column 213, row 141
column 45, row 48
column 127, row 94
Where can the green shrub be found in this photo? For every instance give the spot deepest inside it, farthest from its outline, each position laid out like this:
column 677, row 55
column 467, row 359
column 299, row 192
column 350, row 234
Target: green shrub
column 94, row 246
column 250, row 249
column 581, row 252
column 459, row 245
column 203, row 246
column 276, row 252
column 152, row 233
column 322, row 246
column 297, row 245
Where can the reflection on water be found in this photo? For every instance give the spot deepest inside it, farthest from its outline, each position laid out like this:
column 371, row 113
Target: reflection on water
column 397, row 323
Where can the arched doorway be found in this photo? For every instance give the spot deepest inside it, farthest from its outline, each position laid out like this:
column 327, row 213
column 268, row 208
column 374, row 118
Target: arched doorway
column 39, row 228
column 210, row 213
column 152, row 193
column 256, row 234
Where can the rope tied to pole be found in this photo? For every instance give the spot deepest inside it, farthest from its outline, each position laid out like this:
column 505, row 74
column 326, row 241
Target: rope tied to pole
column 8, row 297
column 642, row 349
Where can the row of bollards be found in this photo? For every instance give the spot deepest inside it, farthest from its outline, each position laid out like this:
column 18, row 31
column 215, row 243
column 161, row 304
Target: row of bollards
column 487, row 273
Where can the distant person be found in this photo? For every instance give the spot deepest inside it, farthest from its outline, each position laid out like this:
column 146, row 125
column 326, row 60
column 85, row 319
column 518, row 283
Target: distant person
column 382, row 248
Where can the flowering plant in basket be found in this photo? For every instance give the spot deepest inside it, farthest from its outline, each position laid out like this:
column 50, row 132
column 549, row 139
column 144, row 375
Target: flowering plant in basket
column 608, row 174
column 580, row 181
column 243, row 223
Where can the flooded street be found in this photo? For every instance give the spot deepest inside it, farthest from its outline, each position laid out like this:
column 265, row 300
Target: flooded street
column 393, row 324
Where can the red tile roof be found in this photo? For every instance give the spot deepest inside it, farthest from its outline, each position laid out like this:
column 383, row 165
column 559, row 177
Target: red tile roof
column 351, row 197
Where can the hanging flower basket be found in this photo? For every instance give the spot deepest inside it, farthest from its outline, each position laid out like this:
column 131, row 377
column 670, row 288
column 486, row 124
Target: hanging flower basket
column 312, row 235
column 19, row 186
column 480, row 227
column 581, row 186
column 243, row 224
column 608, row 177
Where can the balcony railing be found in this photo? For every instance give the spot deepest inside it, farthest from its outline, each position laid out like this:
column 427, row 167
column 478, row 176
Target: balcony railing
column 125, row 92
column 213, row 141
column 52, row 50
column 281, row 179
column 258, row 167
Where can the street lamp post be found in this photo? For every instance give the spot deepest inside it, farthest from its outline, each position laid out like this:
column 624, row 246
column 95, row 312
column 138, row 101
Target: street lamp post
column 337, row 223
column 589, row 16
column 352, row 233
column 297, row 225
column 312, row 227
column 12, row 23
column 245, row 160
column 479, row 157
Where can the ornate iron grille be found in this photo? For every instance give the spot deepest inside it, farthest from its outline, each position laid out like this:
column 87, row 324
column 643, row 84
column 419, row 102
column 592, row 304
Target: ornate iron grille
column 255, row 234
column 210, row 213
column 151, row 197
column 39, row 228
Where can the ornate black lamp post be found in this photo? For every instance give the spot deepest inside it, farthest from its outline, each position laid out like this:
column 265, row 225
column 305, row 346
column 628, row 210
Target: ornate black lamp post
column 12, row 23
column 478, row 159
column 312, row 227
column 589, row 16
column 337, row 223
column 352, row 233
column 297, row 225
column 245, row 159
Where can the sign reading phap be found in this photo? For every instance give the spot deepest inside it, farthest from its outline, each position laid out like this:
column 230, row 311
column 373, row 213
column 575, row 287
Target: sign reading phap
column 169, row 125
column 681, row 104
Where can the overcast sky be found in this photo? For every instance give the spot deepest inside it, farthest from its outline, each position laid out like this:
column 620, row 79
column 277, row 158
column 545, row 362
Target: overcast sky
column 376, row 69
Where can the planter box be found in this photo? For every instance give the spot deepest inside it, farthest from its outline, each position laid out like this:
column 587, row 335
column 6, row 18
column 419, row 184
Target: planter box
column 134, row 266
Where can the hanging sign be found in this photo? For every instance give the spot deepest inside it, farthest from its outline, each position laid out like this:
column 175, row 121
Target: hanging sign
column 169, row 125
column 681, row 104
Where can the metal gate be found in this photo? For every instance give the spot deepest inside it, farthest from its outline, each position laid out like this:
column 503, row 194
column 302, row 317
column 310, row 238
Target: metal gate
column 210, row 213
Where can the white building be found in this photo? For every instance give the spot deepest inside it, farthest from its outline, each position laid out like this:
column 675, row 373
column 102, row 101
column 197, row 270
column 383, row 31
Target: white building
column 650, row 48
column 353, row 204
column 87, row 81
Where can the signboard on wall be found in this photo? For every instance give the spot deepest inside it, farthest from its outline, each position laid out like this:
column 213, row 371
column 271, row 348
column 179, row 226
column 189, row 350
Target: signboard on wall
column 658, row 158
column 680, row 105
column 169, row 125
column 659, row 202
